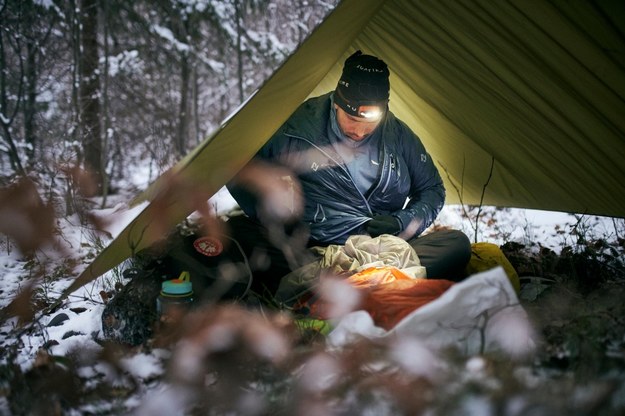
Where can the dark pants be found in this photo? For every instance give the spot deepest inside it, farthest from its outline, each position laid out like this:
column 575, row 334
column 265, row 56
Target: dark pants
column 274, row 251
column 444, row 254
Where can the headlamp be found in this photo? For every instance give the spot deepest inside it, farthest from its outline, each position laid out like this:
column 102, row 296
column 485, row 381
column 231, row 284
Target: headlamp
column 370, row 112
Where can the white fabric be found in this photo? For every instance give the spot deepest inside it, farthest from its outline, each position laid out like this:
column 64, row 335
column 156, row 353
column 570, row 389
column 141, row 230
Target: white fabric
column 359, row 253
column 363, row 251
column 479, row 314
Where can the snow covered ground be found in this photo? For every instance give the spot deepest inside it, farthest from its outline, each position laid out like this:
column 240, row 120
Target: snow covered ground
column 75, row 327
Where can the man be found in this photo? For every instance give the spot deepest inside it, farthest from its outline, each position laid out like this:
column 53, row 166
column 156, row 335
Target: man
column 360, row 170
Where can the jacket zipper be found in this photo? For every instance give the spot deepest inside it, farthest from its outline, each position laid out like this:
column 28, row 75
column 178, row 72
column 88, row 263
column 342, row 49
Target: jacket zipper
column 390, row 170
column 340, row 164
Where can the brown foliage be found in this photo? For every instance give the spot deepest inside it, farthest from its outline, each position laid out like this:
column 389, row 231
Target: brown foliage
column 24, row 217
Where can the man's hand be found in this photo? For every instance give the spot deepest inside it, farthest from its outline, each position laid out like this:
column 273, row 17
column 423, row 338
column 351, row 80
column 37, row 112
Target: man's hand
column 383, row 224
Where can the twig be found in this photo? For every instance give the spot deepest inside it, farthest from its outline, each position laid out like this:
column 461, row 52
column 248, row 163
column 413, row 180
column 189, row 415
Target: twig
column 616, row 230
column 479, row 209
column 459, row 191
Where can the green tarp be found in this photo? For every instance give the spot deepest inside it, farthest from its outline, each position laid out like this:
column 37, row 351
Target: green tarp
column 520, row 103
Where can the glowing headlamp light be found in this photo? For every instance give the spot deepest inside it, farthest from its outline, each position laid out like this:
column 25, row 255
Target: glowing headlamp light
column 370, row 112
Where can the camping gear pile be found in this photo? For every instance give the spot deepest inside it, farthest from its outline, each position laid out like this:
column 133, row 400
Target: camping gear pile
column 388, row 287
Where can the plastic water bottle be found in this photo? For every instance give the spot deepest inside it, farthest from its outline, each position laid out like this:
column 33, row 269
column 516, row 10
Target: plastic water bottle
column 175, row 298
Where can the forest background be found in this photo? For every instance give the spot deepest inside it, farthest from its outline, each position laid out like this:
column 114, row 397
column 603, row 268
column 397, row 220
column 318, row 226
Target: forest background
column 113, row 87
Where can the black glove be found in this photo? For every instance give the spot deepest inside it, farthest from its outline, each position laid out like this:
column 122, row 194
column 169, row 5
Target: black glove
column 383, row 224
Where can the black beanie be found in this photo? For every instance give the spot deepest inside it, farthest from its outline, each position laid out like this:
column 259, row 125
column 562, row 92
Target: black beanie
column 364, row 81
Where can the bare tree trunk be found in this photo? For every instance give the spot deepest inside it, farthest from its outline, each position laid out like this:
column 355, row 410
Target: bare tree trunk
column 90, row 92
column 237, row 16
column 180, row 26
column 183, row 115
column 106, row 145
column 300, row 31
column 196, row 114
column 74, row 24
column 6, row 114
column 35, row 42
column 29, row 108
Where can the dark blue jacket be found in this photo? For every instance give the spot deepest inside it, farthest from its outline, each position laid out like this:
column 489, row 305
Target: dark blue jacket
column 334, row 207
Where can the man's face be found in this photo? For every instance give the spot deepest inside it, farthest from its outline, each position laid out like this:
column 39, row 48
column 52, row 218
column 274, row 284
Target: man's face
column 356, row 128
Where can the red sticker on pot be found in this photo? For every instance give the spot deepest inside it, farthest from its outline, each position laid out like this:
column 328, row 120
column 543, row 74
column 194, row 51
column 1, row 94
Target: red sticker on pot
column 208, row 246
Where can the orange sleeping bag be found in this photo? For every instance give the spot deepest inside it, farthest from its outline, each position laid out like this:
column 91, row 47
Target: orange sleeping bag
column 387, row 294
